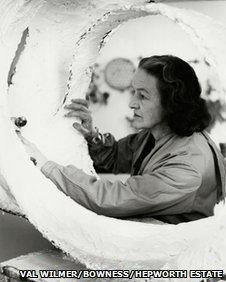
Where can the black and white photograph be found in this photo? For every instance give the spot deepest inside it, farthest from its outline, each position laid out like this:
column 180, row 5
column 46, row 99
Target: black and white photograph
column 112, row 140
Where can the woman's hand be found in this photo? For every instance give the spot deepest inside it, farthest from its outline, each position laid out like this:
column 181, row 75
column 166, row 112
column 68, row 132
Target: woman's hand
column 35, row 155
column 79, row 109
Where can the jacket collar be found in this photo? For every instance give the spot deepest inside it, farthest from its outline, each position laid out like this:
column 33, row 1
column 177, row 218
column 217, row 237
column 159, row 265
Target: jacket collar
column 145, row 135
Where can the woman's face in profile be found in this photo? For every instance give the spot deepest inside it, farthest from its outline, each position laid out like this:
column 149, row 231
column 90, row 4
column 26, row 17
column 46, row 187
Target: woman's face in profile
column 145, row 102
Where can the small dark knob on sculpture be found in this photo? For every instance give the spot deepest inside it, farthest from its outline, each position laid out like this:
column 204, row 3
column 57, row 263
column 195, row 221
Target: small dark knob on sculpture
column 20, row 121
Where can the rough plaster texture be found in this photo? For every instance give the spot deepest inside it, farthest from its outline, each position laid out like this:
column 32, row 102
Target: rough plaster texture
column 38, row 91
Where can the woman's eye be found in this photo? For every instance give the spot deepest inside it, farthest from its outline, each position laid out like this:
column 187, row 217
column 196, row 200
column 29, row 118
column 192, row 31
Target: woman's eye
column 142, row 96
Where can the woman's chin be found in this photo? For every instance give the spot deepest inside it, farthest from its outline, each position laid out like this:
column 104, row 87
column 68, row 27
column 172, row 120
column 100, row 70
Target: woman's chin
column 136, row 125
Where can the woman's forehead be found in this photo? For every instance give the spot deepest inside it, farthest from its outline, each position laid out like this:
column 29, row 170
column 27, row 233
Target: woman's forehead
column 142, row 79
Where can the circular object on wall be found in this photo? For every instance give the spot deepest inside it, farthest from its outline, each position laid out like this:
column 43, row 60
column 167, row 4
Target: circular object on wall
column 119, row 73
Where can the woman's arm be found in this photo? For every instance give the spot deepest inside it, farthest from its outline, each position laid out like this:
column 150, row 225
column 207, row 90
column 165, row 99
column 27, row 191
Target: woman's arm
column 170, row 189
column 113, row 156
column 156, row 193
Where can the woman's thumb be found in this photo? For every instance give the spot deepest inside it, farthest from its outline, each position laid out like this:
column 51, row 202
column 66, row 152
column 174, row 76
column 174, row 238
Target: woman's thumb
column 80, row 128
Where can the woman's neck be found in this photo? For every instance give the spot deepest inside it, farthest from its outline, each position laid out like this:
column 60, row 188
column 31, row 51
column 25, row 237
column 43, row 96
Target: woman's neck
column 160, row 130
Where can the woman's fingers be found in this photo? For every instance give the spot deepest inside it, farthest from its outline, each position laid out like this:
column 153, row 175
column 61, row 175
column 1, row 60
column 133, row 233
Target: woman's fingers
column 35, row 155
column 25, row 141
column 77, row 107
column 81, row 129
column 81, row 102
column 79, row 114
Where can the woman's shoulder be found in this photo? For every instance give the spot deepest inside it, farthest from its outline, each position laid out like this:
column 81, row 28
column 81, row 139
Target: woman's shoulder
column 196, row 147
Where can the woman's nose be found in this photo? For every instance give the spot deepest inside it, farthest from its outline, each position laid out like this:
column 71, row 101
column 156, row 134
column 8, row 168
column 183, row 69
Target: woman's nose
column 133, row 104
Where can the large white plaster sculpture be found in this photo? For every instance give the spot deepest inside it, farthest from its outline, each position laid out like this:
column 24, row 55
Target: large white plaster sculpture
column 39, row 88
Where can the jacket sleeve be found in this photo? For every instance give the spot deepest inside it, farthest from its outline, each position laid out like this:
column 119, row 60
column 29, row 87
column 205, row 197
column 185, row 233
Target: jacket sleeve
column 167, row 190
column 113, row 156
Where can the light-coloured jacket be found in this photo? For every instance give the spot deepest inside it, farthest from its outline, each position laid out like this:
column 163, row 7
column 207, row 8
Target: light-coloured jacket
column 180, row 179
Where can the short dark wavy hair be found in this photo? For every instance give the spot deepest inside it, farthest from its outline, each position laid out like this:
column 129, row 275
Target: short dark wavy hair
column 184, row 110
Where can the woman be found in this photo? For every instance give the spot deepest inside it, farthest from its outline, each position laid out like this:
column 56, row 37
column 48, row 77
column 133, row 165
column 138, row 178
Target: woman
column 177, row 173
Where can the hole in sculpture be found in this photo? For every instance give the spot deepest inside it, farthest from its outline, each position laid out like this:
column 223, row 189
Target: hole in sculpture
column 133, row 40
